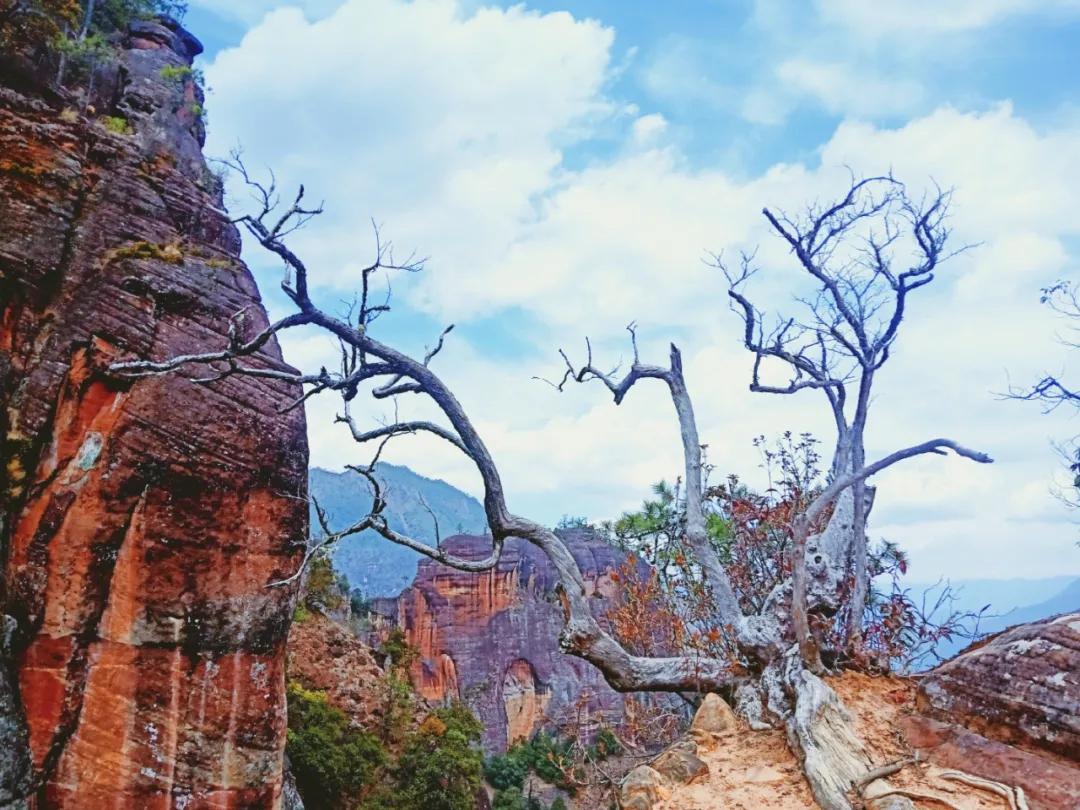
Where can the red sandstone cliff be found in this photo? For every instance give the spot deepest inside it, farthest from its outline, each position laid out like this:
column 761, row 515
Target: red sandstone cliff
column 491, row 638
column 141, row 522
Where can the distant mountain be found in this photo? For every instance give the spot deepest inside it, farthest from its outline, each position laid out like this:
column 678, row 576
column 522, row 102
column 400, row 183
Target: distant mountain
column 1062, row 602
column 373, row 564
column 1011, row 601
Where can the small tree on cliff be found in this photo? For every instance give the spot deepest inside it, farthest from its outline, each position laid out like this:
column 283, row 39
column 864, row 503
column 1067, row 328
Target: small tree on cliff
column 779, row 681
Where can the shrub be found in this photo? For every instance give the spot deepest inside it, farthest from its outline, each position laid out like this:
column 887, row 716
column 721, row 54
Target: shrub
column 441, row 765
column 514, row 799
column 116, row 124
column 545, row 755
column 33, row 24
column 397, row 648
column 177, row 73
column 507, row 770
column 331, row 760
column 323, row 589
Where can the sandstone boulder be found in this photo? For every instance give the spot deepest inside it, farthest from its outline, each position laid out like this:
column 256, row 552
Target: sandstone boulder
column 1020, row 687
column 680, row 763
column 641, row 789
column 713, row 719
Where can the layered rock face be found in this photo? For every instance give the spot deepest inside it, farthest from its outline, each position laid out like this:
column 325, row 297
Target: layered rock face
column 1020, row 687
column 141, row 521
column 491, row 638
column 1009, row 708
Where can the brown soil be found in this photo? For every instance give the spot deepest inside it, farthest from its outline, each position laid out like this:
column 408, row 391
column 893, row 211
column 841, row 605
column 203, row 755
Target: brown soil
column 755, row 770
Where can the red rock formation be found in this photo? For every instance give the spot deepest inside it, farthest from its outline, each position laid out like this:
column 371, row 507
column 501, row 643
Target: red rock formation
column 492, row 638
column 141, row 522
column 1021, row 687
column 1007, row 709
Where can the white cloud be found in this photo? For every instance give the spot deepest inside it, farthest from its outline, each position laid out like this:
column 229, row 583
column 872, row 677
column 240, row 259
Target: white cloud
column 871, row 59
column 450, row 128
column 647, row 129
column 845, row 89
column 442, row 125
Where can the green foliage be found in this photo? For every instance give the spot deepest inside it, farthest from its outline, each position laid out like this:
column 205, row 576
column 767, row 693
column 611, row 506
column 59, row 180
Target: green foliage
column 507, row 770
column 548, row 757
column 552, row 759
column 721, row 533
column 572, row 522
column 116, row 124
column 181, row 74
column 603, row 746
column 359, row 605
column 399, row 706
column 176, row 73
column 397, row 648
column 83, row 54
column 331, row 760
column 323, row 589
column 117, row 15
column 440, row 767
column 171, row 253
column 558, row 804
column 513, row 799
column 301, row 614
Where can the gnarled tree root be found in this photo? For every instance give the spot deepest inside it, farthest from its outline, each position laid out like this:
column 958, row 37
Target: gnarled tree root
column 1013, row 795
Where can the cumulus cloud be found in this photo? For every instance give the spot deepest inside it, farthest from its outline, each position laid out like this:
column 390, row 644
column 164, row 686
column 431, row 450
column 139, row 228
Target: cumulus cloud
column 647, row 129
column 452, row 128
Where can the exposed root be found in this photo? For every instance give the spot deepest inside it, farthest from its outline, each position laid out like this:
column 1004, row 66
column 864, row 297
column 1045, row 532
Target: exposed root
column 1013, row 795
column 917, row 797
column 821, row 730
column 885, row 770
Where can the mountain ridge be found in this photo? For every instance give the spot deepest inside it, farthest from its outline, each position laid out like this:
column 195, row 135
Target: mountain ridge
column 378, row 567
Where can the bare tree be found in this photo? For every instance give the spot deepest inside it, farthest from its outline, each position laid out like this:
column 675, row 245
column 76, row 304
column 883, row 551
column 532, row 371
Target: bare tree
column 781, row 684
column 863, row 254
column 1052, row 392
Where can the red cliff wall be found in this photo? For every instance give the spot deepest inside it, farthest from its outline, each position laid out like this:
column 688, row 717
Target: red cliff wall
column 492, row 638
column 141, row 522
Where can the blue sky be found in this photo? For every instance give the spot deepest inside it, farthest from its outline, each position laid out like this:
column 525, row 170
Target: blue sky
column 566, row 166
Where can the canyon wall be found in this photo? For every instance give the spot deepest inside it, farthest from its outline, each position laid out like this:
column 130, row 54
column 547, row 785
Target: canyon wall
column 141, row 521
column 491, row 638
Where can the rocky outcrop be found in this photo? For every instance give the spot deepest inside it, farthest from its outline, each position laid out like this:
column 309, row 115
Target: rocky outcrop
column 492, row 638
column 141, row 521
column 1020, row 687
column 325, row 657
column 1006, row 708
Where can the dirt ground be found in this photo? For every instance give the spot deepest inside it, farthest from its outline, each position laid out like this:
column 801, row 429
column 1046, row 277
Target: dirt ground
column 755, row 770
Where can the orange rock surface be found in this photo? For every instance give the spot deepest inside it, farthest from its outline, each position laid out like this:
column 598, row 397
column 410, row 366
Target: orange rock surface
column 492, row 638
column 141, row 522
